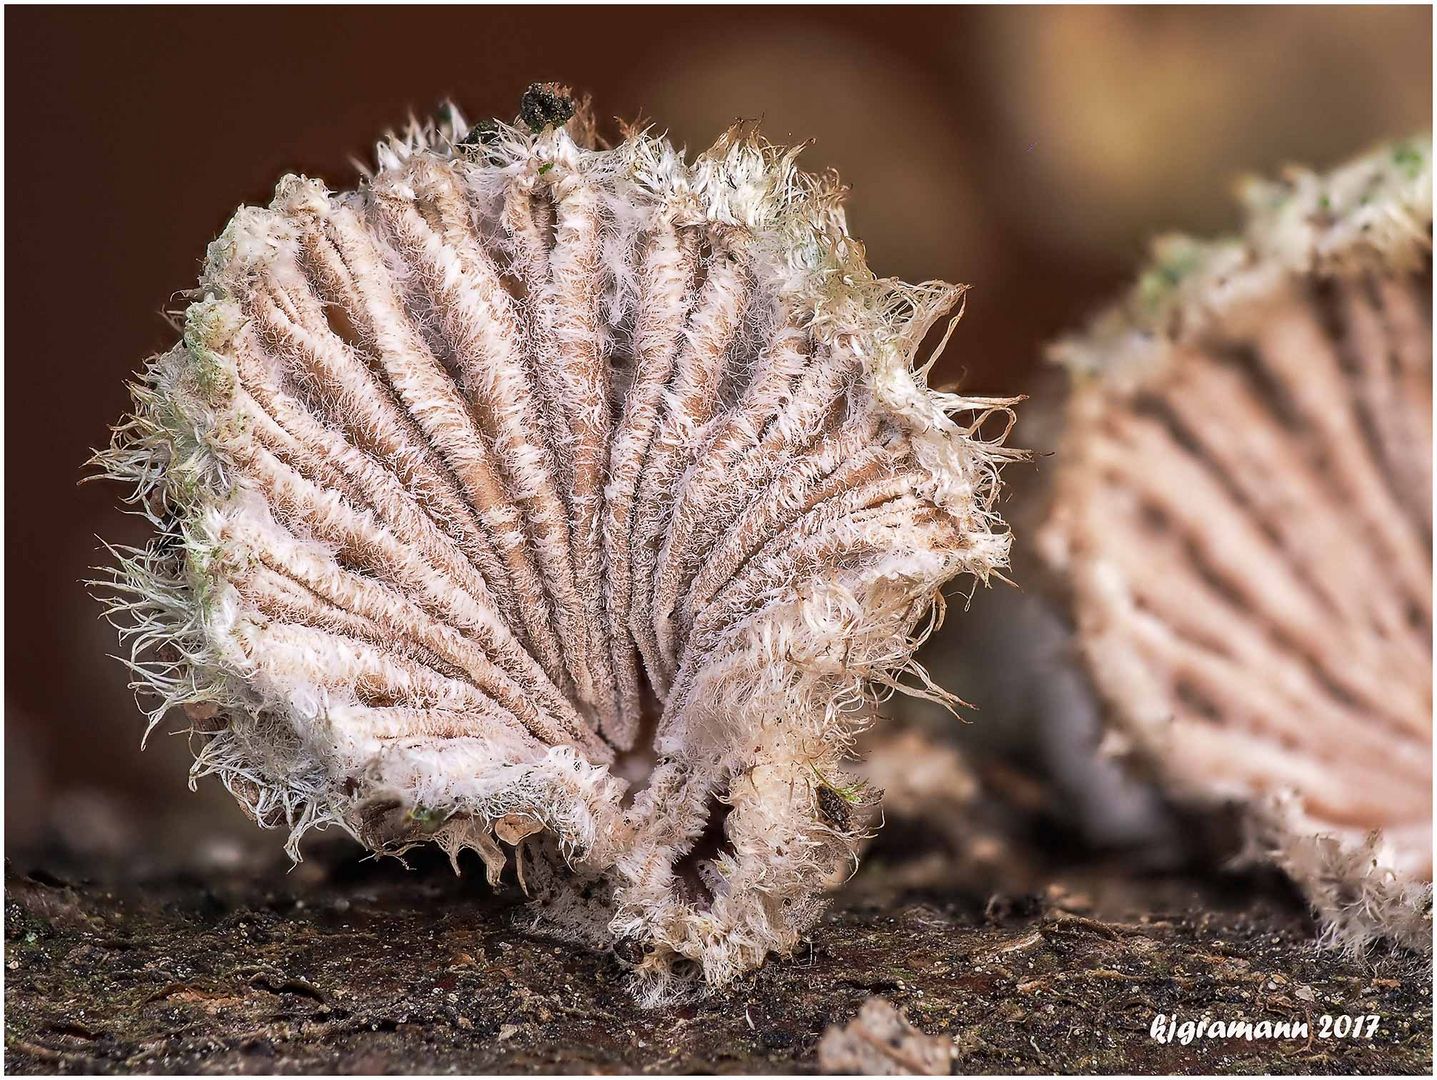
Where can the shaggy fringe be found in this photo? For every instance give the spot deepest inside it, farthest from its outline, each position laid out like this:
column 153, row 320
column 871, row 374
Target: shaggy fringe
column 1359, row 895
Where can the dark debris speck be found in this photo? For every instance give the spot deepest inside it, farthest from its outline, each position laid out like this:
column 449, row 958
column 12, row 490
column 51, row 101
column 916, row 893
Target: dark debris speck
column 546, row 104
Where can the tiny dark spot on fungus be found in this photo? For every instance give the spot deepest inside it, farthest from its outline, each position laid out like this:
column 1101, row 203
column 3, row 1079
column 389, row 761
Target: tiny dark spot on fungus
column 833, row 808
column 482, row 133
column 628, row 950
column 545, row 105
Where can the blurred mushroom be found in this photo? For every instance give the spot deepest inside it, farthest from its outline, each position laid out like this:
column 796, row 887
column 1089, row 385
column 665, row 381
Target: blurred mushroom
column 880, row 1041
column 1242, row 515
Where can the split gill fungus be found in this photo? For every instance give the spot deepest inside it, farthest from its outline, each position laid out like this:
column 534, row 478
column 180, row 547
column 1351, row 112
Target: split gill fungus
column 570, row 505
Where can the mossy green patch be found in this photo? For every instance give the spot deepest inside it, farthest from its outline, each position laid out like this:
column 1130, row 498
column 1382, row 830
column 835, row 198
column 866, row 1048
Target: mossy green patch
column 1177, row 260
column 1410, row 157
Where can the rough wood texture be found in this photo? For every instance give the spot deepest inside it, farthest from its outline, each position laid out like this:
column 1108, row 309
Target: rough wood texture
column 347, row 966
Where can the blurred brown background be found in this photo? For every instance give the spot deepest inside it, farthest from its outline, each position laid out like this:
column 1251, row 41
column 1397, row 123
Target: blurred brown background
column 1028, row 152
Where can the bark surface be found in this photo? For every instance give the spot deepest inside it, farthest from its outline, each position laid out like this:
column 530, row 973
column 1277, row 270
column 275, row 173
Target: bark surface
column 349, row 966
